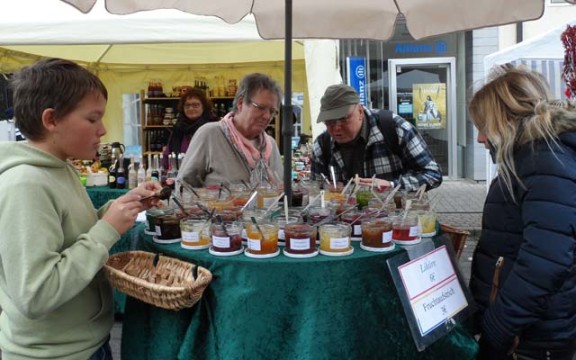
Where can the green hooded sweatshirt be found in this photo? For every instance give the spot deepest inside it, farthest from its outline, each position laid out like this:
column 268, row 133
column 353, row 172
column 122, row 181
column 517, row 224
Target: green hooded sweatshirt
column 55, row 301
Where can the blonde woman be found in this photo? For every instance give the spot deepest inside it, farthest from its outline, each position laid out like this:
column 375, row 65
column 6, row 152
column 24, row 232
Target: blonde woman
column 523, row 271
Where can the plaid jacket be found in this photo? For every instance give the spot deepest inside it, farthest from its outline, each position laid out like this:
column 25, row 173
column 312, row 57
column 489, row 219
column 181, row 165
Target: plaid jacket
column 414, row 168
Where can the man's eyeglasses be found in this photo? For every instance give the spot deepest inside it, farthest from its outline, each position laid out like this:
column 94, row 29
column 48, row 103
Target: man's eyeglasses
column 343, row 121
column 192, row 106
column 272, row 111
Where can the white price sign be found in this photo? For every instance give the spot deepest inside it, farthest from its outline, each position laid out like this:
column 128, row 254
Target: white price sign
column 433, row 289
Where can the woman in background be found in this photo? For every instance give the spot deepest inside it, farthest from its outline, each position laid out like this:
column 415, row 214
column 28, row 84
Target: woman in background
column 524, row 270
column 194, row 110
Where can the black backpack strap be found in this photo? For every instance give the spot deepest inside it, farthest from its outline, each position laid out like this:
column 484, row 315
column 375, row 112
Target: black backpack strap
column 387, row 127
column 324, row 141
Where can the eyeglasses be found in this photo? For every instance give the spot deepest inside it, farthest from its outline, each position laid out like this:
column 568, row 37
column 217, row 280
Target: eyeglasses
column 343, row 121
column 193, row 106
column 272, row 111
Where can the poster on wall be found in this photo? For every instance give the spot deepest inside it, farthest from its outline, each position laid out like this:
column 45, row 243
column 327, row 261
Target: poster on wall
column 429, row 105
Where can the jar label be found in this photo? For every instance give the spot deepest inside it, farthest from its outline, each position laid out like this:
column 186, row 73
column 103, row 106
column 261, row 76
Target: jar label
column 221, row 241
column 158, row 230
column 386, row 237
column 340, row 243
column 357, row 230
column 414, row 231
column 300, row 244
column 190, row 236
column 254, row 244
column 281, row 234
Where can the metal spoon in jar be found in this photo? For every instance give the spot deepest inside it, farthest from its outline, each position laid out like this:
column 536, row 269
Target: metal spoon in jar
column 163, row 194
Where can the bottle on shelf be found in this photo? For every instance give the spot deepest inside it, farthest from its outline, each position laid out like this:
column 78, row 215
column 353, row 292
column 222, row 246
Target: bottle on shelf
column 172, row 171
column 162, row 171
column 141, row 174
column 112, row 173
column 155, row 175
column 121, row 174
column 149, row 168
column 132, row 176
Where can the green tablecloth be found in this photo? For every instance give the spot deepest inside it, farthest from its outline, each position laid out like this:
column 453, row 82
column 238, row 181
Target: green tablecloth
column 284, row 308
column 101, row 194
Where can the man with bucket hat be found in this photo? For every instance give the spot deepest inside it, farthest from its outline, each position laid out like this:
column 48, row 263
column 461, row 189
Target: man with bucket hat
column 370, row 143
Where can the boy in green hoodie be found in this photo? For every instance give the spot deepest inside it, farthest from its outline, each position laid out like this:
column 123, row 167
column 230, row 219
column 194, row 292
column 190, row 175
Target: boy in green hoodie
column 55, row 300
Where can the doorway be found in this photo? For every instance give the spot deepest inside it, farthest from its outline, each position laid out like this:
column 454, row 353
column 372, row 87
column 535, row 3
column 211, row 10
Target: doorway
column 423, row 91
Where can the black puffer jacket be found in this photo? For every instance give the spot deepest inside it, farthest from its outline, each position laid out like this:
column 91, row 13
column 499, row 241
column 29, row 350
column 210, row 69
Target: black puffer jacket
column 536, row 236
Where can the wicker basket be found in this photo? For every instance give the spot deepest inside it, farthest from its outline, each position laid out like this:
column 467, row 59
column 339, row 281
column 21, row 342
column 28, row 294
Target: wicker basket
column 170, row 284
column 457, row 237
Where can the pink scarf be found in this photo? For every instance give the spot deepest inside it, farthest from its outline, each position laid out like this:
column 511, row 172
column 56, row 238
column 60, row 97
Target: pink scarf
column 245, row 146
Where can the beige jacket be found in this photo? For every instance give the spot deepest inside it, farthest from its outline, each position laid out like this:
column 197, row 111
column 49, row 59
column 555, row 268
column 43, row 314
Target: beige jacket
column 211, row 159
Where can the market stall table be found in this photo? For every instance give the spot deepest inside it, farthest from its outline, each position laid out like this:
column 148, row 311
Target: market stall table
column 284, row 308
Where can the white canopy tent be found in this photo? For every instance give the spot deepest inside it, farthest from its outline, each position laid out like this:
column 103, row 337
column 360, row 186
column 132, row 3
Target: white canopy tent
column 544, row 53
column 129, row 50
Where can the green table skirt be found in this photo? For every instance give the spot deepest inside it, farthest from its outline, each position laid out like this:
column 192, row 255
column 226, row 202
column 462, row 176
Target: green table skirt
column 283, row 308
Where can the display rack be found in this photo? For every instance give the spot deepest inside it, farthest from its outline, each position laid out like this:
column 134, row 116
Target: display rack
column 154, row 130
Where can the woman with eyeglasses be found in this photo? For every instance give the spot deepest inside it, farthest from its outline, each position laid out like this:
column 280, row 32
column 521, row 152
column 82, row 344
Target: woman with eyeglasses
column 194, row 110
column 237, row 148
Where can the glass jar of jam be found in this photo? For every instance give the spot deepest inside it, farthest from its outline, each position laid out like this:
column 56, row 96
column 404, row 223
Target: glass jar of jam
column 300, row 238
column 406, row 229
column 335, row 238
column 226, row 237
column 262, row 237
column 318, row 213
column 282, row 222
column 363, row 195
column 377, row 234
column 151, row 215
column 247, row 216
column 427, row 220
column 354, row 219
column 266, row 196
column 191, row 230
column 168, row 227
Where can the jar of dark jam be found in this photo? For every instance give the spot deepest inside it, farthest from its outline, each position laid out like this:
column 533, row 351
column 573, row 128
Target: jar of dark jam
column 227, row 237
column 300, row 238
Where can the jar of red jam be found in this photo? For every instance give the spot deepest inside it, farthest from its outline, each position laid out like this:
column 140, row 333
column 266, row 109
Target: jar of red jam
column 226, row 237
column 300, row 239
column 406, row 229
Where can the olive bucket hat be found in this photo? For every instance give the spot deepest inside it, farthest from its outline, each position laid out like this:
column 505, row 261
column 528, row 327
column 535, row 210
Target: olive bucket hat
column 336, row 102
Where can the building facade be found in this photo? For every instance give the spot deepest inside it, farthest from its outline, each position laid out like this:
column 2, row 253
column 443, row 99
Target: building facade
column 430, row 81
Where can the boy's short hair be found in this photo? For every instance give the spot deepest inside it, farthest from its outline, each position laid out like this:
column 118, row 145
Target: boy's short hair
column 50, row 84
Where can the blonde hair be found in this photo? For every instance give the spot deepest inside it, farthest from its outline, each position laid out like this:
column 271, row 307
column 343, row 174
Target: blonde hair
column 512, row 109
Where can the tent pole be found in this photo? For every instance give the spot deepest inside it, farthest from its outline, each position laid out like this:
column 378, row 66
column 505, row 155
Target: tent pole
column 287, row 127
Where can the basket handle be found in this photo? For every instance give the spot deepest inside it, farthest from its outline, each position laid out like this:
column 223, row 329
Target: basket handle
column 155, row 259
column 194, row 272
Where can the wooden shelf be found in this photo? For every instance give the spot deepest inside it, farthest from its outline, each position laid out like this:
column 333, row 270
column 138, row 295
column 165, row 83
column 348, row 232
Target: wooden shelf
column 156, row 126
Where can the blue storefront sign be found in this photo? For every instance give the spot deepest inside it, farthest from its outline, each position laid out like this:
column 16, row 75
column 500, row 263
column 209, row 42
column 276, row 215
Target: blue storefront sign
column 356, row 69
